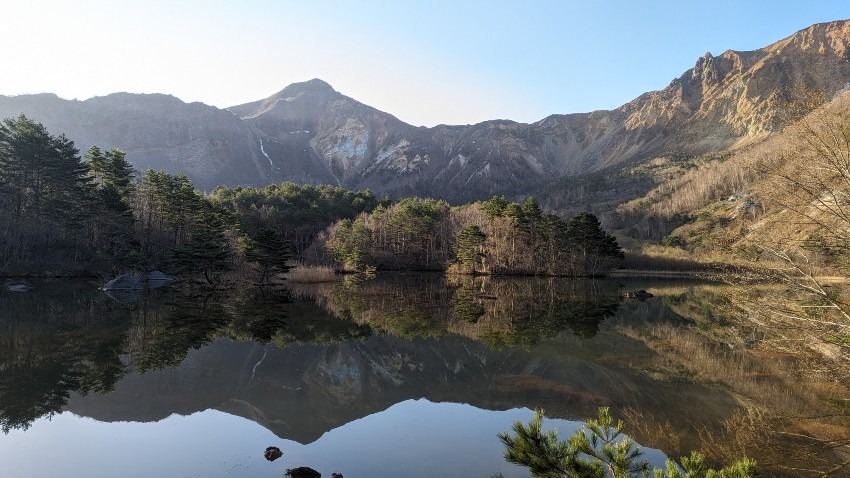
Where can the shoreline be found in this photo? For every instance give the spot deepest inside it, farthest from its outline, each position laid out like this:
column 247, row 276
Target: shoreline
column 701, row 275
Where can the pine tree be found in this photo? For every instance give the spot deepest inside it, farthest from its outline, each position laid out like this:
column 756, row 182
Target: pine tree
column 69, row 184
column 593, row 250
column 118, row 172
column 496, row 206
column 599, row 450
column 469, row 247
column 585, row 233
column 207, row 250
column 44, row 194
column 97, row 164
column 350, row 244
column 269, row 252
column 25, row 162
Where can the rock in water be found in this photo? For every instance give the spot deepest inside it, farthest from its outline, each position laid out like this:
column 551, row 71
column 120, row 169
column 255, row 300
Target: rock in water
column 272, row 453
column 124, row 296
column 123, row 282
column 639, row 295
column 159, row 276
column 302, row 472
column 336, row 475
column 157, row 279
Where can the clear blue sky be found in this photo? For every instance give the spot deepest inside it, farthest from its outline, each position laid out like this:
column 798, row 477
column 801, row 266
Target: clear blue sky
column 427, row 62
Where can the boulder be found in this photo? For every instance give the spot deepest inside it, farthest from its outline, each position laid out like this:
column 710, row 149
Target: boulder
column 272, row 453
column 124, row 282
column 302, row 472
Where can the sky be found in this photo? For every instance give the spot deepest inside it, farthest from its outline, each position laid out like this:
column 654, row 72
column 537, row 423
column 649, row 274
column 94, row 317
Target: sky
column 426, row 62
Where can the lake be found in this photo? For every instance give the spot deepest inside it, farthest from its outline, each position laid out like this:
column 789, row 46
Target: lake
column 395, row 375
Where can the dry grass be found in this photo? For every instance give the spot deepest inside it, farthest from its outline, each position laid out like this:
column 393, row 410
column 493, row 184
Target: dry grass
column 311, row 274
column 644, row 256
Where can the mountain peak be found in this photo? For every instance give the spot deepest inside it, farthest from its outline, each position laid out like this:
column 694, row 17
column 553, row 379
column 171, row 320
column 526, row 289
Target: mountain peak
column 314, row 85
column 313, row 91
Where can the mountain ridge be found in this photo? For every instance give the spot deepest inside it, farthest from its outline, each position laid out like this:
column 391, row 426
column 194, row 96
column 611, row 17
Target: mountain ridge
column 310, row 133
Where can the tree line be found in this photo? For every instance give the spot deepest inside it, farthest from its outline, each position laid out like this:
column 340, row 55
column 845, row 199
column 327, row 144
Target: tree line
column 486, row 237
column 67, row 213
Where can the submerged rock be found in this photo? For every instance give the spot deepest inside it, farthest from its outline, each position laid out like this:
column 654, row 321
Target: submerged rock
column 639, row 294
column 336, row 475
column 157, row 276
column 272, row 453
column 157, row 279
column 123, row 282
column 124, row 296
column 302, row 472
column 20, row 287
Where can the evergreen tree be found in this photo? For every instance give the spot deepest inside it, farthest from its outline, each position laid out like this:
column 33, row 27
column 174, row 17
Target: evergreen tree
column 118, row 172
column 586, row 236
column 469, row 246
column 97, row 164
column 350, row 244
column 69, row 184
column 496, row 206
column 43, row 194
column 269, row 252
column 531, row 210
column 207, row 250
column 599, row 450
column 25, row 165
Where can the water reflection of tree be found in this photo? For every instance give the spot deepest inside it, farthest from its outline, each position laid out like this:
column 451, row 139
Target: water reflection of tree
column 793, row 421
column 466, row 304
column 63, row 340
column 169, row 328
column 271, row 317
column 55, row 344
column 499, row 311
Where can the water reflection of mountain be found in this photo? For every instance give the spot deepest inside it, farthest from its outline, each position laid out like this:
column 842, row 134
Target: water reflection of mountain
column 302, row 391
column 354, row 348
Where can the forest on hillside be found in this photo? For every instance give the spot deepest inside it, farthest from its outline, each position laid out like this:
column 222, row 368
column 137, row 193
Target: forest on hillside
column 92, row 214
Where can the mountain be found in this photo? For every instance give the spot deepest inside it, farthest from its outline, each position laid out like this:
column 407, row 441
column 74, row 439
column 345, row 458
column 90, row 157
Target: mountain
column 310, row 133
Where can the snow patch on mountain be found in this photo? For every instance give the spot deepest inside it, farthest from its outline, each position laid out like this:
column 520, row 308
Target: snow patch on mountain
column 263, row 150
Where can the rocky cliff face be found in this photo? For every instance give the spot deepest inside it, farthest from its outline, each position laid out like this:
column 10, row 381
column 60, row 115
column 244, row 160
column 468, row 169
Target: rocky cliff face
column 309, row 133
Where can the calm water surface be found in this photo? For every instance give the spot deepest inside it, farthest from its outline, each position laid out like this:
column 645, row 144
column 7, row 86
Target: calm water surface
column 399, row 375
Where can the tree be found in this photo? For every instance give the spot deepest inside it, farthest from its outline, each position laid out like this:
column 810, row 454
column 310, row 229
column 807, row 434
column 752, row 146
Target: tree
column 599, row 450
column 469, row 248
column 207, row 250
column 349, row 244
column 269, row 252
column 68, row 183
column 594, row 250
column 808, row 185
column 44, row 193
column 118, row 172
column 496, row 206
column 97, row 164
column 111, row 228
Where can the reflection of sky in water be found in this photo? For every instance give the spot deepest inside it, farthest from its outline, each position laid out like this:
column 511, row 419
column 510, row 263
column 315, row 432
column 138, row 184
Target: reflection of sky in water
column 415, row 438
